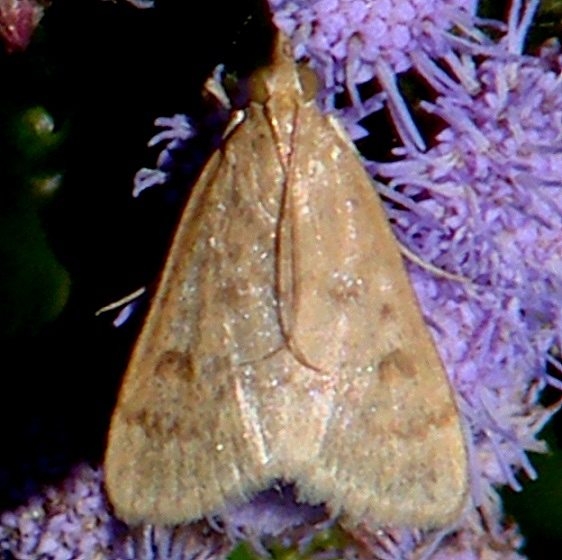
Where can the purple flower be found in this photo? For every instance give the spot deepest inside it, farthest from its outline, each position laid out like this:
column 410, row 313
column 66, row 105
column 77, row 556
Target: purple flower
column 63, row 523
column 350, row 42
column 177, row 130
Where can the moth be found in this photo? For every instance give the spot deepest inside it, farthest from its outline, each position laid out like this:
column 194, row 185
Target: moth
column 284, row 341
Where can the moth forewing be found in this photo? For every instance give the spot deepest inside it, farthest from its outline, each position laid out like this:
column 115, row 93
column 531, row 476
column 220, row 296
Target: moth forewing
column 170, row 456
column 285, row 341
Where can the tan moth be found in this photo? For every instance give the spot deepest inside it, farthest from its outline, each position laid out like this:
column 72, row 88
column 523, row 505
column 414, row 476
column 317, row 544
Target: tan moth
column 284, row 341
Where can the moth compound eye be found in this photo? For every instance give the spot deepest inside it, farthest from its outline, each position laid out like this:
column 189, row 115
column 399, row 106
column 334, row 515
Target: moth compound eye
column 309, row 82
column 258, row 86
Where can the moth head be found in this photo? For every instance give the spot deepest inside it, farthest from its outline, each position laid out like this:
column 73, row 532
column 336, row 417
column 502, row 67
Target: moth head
column 283, row 75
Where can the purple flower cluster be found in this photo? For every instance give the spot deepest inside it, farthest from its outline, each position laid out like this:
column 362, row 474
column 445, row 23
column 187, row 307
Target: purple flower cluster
column 65, row 522
column 482, row 202
column 347, row 39
column 350, row 42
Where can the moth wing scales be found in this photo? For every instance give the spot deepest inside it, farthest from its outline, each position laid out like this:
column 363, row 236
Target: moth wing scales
column 393, row 448
column 214, row 311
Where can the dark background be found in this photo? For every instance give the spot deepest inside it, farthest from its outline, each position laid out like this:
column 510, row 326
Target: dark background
column 103, row 71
